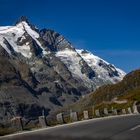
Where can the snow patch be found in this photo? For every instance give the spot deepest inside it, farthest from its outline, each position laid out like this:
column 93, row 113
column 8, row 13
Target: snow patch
column 12, row 33
column 93, row 61
column 34, row 35
column 71, row 59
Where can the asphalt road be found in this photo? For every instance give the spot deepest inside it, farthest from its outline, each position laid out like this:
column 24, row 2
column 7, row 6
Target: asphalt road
column 112, row 128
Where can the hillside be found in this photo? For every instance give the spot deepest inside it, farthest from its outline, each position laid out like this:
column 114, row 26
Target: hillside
column 120, row 95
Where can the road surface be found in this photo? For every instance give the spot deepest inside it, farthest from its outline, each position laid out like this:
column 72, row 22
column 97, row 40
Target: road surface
column 125, row 127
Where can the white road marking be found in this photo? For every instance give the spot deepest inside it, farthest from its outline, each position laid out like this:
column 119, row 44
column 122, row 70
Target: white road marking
column 134, row 128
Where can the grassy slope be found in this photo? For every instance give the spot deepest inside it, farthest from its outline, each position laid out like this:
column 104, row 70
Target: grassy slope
column 128, row 89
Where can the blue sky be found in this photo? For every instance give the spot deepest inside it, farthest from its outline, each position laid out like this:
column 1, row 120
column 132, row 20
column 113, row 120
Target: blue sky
column 107, row 28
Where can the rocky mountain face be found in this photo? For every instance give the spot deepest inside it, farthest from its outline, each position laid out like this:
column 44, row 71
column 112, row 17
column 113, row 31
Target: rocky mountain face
column 41, row 70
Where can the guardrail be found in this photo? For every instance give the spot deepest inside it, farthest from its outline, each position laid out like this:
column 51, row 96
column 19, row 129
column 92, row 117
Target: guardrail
column 18, row 124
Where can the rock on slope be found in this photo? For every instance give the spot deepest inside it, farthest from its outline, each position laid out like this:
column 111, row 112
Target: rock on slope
column 41, row 70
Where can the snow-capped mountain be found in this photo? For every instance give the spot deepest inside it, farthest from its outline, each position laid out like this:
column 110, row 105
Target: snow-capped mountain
column 43, row 67
column 103, row 69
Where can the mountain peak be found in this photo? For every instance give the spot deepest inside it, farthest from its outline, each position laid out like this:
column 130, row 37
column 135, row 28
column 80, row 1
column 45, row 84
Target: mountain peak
column 21, row 19
column 25, row 19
